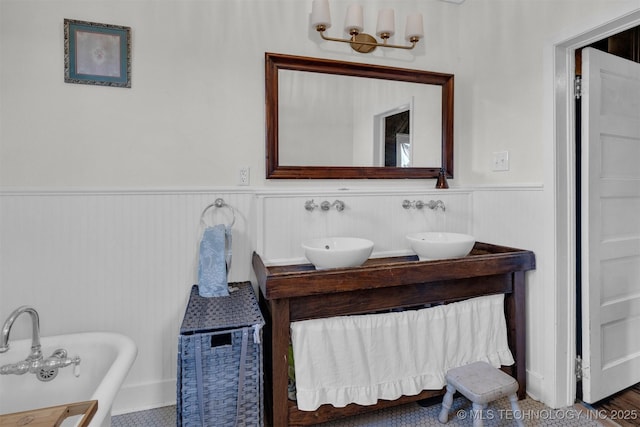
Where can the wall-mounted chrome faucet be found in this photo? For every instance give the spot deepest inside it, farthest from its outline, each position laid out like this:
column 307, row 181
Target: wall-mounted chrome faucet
column 325, row 206
column 419, row 204
column 339, row 205
column 35, row 331
column 45, row 369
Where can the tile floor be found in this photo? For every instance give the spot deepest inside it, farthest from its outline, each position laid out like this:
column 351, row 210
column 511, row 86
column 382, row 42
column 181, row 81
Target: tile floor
column 498, row 414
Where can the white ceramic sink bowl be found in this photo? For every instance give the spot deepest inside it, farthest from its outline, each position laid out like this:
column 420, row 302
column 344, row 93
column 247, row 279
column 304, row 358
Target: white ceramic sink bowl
column 441, row 245
column 337, row 252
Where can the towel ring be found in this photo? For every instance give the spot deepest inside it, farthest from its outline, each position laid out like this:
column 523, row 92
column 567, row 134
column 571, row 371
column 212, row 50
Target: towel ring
column 219, row 203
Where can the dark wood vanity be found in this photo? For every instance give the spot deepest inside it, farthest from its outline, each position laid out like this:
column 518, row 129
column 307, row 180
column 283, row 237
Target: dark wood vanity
column 299, row 292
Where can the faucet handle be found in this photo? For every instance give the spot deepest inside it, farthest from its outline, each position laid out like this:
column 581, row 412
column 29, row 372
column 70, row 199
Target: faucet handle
column 419, row 204
column 310, row 205
column 326, row 205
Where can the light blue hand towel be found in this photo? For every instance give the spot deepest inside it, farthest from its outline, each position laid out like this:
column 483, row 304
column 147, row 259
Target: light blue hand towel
column 212, row 269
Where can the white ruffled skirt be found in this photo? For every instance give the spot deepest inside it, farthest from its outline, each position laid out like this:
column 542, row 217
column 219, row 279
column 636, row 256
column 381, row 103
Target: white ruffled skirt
column 360, row 359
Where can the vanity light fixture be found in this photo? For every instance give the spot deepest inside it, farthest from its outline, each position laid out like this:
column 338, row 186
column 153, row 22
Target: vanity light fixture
column 362, row 42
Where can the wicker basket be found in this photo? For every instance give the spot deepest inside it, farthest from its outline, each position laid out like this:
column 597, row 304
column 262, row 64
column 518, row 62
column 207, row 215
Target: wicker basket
column 220, row 360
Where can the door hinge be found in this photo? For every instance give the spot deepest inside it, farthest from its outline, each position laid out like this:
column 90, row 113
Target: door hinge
column 582, row 371
column 577, row 87
column 578, row 368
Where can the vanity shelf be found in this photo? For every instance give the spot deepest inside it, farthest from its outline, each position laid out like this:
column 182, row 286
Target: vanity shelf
column 298, row 292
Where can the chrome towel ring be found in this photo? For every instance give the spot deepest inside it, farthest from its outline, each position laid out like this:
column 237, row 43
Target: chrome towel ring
column 219, row 203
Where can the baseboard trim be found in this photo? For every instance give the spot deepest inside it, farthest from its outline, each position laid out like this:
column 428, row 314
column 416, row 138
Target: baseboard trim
column 534, row 385
column 140, row 397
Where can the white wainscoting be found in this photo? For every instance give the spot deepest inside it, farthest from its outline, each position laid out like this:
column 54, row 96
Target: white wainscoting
column 283, row 222
column 514, row 217
column 119, row 261
column 125, row 260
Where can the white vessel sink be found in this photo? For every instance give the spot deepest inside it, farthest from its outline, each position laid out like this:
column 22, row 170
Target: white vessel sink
column 337, row 252
column 440, row 245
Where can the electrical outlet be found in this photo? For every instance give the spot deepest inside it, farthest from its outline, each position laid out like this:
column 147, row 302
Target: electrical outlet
column 243, row 175
column 501, row 161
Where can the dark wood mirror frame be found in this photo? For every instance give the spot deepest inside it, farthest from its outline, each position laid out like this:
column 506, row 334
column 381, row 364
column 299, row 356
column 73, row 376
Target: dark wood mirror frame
column 275, row 62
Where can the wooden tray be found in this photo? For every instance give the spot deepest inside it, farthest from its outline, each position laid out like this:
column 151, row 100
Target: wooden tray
column 51, row 416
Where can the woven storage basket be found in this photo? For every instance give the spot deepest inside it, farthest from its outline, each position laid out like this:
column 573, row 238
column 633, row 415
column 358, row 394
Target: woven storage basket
column 220, row 360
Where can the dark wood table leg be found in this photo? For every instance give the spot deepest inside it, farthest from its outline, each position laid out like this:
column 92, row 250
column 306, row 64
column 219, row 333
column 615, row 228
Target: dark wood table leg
column 280, row 362
column 517, row 308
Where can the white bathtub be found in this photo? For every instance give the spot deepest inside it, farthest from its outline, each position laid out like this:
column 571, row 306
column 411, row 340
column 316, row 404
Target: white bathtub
column 106, row 358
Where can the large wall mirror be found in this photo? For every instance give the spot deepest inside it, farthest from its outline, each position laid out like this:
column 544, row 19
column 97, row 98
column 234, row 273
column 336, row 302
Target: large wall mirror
column 334, row 119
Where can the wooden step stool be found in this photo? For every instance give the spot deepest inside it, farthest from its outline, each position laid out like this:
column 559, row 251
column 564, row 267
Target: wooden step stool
column 481, row 383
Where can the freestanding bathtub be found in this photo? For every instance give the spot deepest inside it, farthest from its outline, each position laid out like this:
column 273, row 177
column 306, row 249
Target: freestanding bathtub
column 106, row 358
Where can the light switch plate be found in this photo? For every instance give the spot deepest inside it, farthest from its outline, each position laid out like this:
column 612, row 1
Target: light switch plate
column 500, row 161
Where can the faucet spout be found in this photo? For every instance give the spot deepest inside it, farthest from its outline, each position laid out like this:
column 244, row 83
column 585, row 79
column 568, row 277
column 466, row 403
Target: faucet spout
column 36, row 353
column 435, row 205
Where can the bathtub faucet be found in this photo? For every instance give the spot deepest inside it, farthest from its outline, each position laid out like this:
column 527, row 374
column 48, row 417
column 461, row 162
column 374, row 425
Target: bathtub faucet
column 35, row 363
column 45, row 369
column 36, row 353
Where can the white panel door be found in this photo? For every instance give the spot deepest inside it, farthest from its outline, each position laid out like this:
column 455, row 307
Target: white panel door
column 611, row 224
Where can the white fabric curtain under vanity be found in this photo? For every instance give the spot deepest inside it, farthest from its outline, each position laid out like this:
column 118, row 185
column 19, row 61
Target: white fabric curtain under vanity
column 360, row 359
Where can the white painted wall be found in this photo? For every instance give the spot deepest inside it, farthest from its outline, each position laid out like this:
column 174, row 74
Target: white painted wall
column 101, row 188
column 198, row 79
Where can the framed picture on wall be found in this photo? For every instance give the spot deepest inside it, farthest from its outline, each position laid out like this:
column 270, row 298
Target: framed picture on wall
column 97, row 54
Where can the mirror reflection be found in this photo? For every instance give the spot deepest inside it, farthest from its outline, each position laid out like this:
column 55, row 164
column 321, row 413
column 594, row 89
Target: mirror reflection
column 332, row 119
column 394, row 147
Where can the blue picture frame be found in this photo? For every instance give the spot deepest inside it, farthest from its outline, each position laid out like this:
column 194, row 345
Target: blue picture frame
column 97, row 54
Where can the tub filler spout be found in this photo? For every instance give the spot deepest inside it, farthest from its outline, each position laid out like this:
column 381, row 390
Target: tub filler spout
column 35, row 363
column 36, row 353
